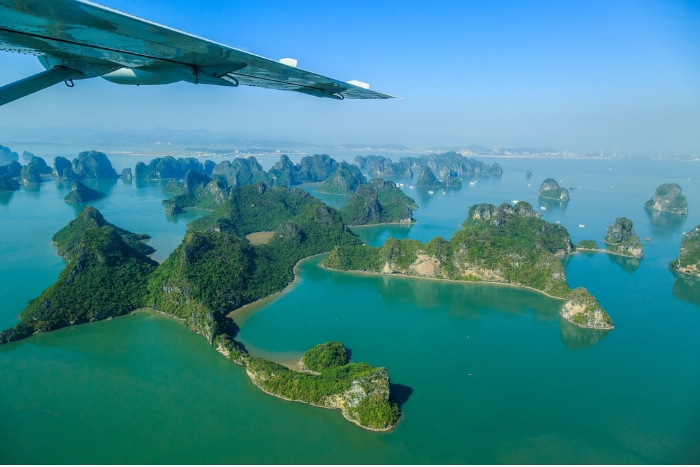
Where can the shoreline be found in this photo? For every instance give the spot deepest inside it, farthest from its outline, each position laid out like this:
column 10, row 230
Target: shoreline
column 598, row 250
column 490, row 283
column 270, row 297
column 674, row 268
column 342, row 409
column 380, row 224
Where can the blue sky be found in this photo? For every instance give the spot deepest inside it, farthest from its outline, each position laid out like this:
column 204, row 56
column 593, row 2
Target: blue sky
column 583, row 76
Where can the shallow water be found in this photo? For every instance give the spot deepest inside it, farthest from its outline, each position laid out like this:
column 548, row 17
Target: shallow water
column 142, row 388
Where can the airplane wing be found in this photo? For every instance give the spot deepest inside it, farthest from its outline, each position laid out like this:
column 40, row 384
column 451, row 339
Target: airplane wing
column 92, row 40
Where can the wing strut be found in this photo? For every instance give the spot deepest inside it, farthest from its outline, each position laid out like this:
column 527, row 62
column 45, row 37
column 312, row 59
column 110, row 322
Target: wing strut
column 30, row 85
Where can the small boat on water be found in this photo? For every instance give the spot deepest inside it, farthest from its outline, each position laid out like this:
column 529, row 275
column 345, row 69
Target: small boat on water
column 469, row 374
column 543, row 208
column 430, row 192
column 515, row 201
column 647, row 239
column 472, row 183
column 583, row 226
column 558, row 222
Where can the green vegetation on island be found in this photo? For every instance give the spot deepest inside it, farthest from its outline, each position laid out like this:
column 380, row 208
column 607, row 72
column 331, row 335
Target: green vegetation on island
column 359, row 390
column 104, row 278
column 378, row 202
column 587, row 245
column 382, row 167
column 68, row 238
column 621, row 238
column 508, row 244
column 13, row 169
column 213, row 272
column 688, row 260
column 240, row 171
column 163, row 168
column 197, row 190
column 325, row 356
column 82, row 194
column 427, row 179
column 7, row 183
column 454, row 163
column 216, row 270
column 550, row 189
column 29, row 175
column 582, row 309
column 668, row 198
column 89, row 165
column 346, row 179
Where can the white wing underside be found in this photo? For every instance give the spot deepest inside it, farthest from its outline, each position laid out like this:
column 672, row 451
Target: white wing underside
column 83, row 32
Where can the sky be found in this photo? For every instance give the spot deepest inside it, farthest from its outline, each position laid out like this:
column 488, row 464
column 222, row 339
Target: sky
column 584, row 76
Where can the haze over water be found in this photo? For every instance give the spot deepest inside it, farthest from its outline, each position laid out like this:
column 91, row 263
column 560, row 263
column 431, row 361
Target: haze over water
column 143, row 389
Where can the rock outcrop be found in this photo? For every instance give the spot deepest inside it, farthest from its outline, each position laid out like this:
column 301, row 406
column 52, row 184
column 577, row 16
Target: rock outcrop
column 621, row 238
column 169, row 167
column 104, row 278
column 383, row 167
column 587, row 245
column 240, row 171
column 347, row 179
column 13, row 169
column 29, row 175
column 455, row 162
column 7, row 156
column 582, row 309
column 550, row 189
column 82, row 194
column 505, row 243
column 127, row 176
column 7, row 183
column 378, row 202
column 427, row 179
column 93, row 165
column 668, row 198
column 688, row 261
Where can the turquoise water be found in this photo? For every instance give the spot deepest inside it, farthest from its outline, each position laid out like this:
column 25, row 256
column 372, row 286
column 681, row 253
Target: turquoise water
column 142, row 388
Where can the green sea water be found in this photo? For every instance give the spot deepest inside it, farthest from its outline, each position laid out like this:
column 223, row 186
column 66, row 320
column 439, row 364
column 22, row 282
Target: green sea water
column 143, row 389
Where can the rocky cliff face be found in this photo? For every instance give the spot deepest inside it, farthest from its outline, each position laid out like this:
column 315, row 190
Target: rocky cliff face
column 29, row 175
column 345, row 180
column 241, row 171
column 427, row 179
column 582, row 309
column 550, row 189
column 622, row 239
column 382, row 167
column 668, row 198
column 688, row 261
column 92, row 165
column 378, row 202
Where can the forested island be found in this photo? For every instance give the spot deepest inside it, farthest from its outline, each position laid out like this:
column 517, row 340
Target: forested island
column 582, row 309
column 89, row 165
column 378, row 202
column 550, row 189
column 82, row 194
column 345, row 180
column 688, row 261
column 668, row 198
column 508, row 244
column 621, row 239
column 213, row 272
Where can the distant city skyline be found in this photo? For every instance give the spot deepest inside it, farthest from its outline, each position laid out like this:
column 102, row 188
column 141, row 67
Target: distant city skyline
column 616, row 76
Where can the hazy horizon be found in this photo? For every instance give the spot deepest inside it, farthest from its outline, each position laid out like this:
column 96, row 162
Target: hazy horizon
column 619, row 77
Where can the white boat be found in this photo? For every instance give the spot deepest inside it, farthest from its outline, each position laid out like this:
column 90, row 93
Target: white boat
column 430, row 192
column 543, row 208
column 411, row 187
column 583, row 226
column 444, row 193
column 528, row 184
column 472, row 183
column 558, row 222
column 515, row 201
